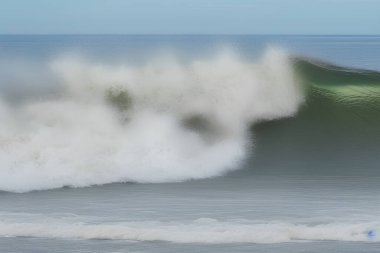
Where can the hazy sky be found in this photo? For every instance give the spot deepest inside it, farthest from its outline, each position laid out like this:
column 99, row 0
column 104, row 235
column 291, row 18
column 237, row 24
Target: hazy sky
column 191, row 16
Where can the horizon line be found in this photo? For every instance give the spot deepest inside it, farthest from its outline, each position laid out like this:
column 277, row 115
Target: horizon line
column 185, row 34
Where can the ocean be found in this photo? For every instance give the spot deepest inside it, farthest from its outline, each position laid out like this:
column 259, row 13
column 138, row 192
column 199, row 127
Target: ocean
column 189, row 143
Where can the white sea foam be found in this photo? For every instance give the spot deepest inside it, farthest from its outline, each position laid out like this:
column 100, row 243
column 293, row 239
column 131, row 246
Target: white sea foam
column 199, row 231
column 161, row 122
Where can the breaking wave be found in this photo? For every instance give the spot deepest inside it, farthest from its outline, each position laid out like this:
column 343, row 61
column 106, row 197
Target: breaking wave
column 162, row 121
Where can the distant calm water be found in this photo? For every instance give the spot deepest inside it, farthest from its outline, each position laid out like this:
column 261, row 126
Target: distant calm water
column 195, row 143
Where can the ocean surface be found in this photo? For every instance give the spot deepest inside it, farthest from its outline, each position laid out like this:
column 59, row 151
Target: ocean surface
column 189, row 143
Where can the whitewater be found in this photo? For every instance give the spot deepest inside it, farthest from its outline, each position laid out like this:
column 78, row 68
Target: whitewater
column 203, row 230
column 164, row 121
column 206, row 143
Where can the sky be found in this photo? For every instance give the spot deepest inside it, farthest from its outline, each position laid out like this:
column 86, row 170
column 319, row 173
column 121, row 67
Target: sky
column 190, row 17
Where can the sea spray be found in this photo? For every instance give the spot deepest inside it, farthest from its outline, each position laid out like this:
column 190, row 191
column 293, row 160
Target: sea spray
column 164, row 121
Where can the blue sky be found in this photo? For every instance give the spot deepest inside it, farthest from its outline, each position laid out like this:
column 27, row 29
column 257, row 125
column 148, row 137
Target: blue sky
column 190, row 16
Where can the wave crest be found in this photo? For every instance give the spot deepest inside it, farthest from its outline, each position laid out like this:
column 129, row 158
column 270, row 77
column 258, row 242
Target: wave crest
column 164, row 121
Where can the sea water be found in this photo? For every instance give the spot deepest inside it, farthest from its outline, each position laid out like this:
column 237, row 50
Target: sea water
column 185, row 143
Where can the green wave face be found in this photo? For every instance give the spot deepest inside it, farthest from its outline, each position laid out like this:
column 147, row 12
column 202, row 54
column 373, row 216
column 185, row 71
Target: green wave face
column 337, row 131
column 325, row 74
